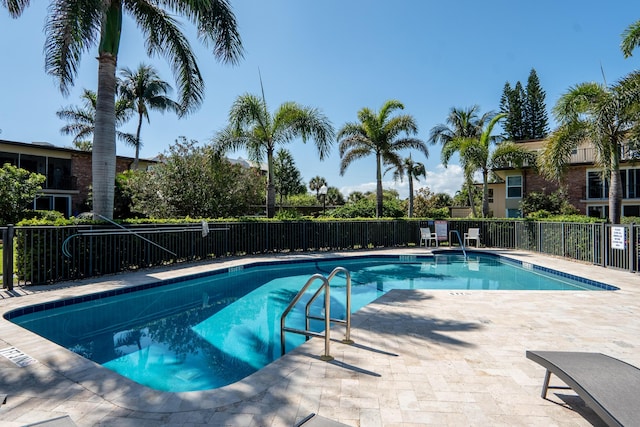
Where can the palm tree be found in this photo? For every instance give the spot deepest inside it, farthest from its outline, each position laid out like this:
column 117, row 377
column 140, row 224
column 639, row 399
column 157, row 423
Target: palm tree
column 316, row 183
column 377, row 133
column 145, row 91
column 630, row 39
column 460, row 124
column 81, row 120
column 253, row 128
column 604, row 117
column 76, row 26
column 475, row 154
column 414, row 170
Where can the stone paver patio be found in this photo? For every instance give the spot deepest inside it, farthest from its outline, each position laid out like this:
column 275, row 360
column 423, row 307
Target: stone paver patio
column 420, row 358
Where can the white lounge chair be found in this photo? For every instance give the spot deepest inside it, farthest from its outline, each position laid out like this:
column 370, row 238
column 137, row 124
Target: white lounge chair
column 472, row 234
column 427, row 236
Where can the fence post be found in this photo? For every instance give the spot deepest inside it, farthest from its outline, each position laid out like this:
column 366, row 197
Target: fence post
column 631, row 241
column 7, row 257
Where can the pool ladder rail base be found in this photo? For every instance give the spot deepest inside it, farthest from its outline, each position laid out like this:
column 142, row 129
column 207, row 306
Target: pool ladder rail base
column 307, row 332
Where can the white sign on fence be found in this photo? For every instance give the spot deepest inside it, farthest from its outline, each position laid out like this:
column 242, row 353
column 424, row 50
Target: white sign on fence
column 618, row 237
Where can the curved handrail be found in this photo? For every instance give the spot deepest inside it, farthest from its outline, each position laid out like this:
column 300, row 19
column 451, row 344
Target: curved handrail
column 327, row 324
column 464, row 252
column 347, row 321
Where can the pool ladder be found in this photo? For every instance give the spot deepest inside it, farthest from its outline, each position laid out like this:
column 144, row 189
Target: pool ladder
column 327, row 315
column 457, row 233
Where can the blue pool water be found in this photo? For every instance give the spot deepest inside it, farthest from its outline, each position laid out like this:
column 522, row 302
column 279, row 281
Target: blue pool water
column 213, row 330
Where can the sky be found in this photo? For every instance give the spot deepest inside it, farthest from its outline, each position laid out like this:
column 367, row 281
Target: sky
column 341, row 56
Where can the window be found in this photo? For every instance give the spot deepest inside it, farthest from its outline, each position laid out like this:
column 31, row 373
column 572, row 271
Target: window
column 35, row 164
column 631, row 210
column 10, row 158
column 514, row 187
column 598, row 211
column 632, row 184
column 59, row 176
column 597, row 188
column 490, row 195
column 513, row 213
column 53, row 203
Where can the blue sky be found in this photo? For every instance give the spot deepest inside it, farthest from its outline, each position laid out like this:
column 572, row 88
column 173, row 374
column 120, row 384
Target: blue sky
column 340, row 56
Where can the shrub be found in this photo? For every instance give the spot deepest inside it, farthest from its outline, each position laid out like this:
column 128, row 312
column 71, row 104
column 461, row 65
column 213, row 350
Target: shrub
column 18, row 187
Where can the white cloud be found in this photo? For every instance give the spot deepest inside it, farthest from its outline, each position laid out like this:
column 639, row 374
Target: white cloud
column 442, row 180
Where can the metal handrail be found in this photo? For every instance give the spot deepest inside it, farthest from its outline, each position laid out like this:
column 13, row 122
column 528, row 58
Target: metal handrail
column 327, row 324
column 457, row 233
column 347, row 320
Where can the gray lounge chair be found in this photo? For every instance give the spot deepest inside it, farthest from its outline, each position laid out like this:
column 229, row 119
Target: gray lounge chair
column 607, row 385
column 64, row 421
column 314, row 420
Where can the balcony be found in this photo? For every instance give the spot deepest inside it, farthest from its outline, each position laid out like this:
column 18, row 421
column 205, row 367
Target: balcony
column 63, row 182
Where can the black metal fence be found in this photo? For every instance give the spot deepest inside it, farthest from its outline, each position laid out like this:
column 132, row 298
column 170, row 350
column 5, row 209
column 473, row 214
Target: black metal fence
column 47, row 254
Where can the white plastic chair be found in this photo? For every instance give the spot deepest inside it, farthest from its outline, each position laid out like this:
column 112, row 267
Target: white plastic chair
column 472, row 234
column 427, row 236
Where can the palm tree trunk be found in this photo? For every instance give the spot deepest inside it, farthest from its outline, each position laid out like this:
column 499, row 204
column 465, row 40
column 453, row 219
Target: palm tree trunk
column 378, row 186
column 271, row 190
column 615, row 188
column 471, row 198
column 104, row 139
column 485, row 193
column 410, row 195
column 135, row 160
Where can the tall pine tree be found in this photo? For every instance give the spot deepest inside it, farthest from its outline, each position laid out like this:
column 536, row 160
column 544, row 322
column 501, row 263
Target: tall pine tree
column 287, row 177
column 535, row 113
column 525, row 110
column 512, row 104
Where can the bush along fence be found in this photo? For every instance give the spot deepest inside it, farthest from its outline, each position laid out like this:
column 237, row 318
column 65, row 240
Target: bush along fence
column 48, row 254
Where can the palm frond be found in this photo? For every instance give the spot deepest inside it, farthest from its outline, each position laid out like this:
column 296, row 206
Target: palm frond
column 72, row 28
column 217, row 25
column 15, row 7
column 250, row 111
column 556, row 155
column 630, row 39
column 450, row 148
column 509, row 154
column 163, row 36
column 353, row 154
column 577, row 101
column 294, row 120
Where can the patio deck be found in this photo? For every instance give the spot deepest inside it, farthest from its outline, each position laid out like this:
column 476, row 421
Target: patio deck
column 421, row 358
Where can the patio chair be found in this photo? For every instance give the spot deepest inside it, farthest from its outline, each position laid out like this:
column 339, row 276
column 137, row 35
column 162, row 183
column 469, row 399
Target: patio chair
column 427, row 236
column 607, row 385
column 472, row 234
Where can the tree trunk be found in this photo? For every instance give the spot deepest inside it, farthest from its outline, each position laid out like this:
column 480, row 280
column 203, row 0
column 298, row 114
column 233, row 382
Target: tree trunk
column 485, row 193
column 615, row 189
column 104, row 139
column 378, row 187
column 135, row 161
column 410, row 195
column 471, row 199
column 271, row 190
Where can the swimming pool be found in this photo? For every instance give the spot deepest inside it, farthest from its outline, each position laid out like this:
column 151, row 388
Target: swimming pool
column 208, row 331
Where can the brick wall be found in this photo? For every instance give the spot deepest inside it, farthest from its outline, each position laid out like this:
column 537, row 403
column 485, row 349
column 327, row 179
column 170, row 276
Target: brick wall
column 574, row 183
column 81, row 169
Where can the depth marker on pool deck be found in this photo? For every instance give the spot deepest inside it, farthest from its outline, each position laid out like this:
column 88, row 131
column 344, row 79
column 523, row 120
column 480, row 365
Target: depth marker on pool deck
column 18, row 357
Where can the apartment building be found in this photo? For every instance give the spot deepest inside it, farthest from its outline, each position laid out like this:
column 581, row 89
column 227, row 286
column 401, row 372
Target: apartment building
column 586, row 188
column 68, row 172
